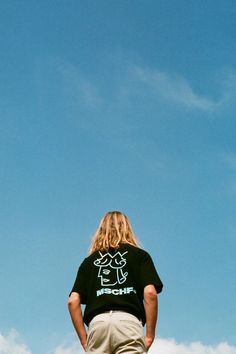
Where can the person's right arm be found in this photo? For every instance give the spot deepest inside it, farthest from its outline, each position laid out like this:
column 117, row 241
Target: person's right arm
column 74, row 306
column 151, row 311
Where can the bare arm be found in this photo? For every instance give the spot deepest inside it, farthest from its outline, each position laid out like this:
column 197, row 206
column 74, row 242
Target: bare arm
column 151, row 310
column 74, row 306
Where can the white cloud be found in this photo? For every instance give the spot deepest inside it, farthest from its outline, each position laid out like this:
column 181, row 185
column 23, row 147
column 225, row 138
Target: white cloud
column 174, row 88
column 74, row 348
column 10, row 344
column 170, row 346
column 167, row 346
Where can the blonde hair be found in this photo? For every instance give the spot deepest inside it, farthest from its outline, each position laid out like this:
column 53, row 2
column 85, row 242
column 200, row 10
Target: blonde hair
column 113, row 230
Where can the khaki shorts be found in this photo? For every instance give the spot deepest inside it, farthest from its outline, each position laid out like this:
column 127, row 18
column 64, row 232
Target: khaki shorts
column 115, row 332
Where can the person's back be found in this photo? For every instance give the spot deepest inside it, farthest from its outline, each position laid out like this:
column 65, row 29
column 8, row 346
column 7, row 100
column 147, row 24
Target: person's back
column 119, row 285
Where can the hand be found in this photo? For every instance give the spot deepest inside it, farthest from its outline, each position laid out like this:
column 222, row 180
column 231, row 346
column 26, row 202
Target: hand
column 84, row 345
column 148, row 341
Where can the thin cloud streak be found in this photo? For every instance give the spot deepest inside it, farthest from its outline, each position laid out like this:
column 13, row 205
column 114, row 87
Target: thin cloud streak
column 79, row 87
column 64, row 82
column 175, row 89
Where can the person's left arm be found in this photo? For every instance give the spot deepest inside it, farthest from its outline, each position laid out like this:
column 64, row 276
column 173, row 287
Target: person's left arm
column 74, row 306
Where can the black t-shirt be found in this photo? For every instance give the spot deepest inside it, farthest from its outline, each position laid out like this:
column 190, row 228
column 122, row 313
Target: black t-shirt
column 115, row 280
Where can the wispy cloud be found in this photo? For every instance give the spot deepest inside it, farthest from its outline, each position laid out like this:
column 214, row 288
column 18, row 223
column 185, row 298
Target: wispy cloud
column 80, row 88
column 11, row 344
column 174, row 88
column 60, row 80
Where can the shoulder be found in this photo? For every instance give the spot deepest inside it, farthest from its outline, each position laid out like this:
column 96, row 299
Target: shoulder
column 89, row 260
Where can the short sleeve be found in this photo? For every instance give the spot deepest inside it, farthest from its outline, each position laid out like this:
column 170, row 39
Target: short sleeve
column 80, row 284
column 148, row 273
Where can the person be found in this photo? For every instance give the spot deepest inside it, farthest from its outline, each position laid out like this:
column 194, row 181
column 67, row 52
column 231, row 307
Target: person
column 118, row 284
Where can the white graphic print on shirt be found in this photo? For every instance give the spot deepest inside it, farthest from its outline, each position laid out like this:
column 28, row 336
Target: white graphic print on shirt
column 110, row 268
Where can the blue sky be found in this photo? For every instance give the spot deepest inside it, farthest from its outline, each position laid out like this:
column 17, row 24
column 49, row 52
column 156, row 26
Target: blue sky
column 126, row 105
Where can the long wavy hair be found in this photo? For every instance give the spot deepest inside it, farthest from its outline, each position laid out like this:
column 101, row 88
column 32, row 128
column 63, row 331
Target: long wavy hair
column 113, row 230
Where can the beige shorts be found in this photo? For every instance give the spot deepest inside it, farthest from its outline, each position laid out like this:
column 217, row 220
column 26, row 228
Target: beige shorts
column 115, row 332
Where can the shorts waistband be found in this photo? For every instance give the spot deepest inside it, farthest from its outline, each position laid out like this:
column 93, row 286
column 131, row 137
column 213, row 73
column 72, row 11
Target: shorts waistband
column 110, row 312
